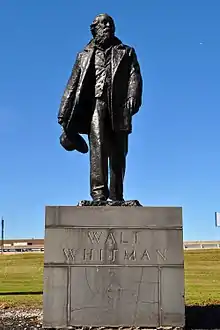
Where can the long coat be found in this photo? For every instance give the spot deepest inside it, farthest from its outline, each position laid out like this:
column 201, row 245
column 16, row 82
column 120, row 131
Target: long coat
column 77, row 102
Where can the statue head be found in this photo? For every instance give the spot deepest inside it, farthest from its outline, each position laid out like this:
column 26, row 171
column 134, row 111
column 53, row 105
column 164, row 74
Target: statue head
column 103, row 28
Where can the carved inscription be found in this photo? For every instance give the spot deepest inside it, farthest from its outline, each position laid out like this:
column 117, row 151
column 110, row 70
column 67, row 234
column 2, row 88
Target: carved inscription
column 97, row 255
column 112, row 256
column 162, row 254
column 70, row 254
column 135, row 237
column 88, row 254
column 145, row 255
column 130, row 255
column 122, row 239
column 110, row 240
column 101, row 254
column 94, row 236
column 115, row 247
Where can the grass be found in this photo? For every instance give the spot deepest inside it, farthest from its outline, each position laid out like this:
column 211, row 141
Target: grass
column 202, row 277
column 24, row 273
column 21, row 273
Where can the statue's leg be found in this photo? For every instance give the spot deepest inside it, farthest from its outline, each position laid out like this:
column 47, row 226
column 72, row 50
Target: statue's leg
column 118, row 152
column 98, row 153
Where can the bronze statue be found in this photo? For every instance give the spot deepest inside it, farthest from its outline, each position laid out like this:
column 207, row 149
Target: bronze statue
column 104, row 91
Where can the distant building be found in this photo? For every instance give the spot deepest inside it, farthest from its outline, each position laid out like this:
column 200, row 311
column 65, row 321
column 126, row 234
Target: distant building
column 23, row 245
column 23, row 242
column 37, row 245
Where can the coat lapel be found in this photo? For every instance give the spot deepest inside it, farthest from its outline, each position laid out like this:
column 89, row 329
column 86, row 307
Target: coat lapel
column 117, row 55
column 87, row 56
column 118, row 52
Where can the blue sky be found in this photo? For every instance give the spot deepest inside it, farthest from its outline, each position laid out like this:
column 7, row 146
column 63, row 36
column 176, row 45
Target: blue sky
column 174, row 153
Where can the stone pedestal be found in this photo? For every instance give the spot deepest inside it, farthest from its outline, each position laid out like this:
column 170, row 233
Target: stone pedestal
column 113, row 266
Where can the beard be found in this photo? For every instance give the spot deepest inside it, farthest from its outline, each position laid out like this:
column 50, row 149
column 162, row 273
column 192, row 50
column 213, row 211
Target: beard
column 103, row 38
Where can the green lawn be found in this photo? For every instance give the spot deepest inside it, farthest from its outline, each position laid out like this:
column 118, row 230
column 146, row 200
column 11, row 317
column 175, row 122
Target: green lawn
column 24, row 273
column 21, row 273
column 202, row 277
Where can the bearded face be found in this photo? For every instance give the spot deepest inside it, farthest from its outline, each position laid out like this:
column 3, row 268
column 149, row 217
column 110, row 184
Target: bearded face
column 103, row 30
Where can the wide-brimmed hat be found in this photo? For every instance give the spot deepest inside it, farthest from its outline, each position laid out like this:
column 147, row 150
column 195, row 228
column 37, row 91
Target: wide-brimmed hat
column 73, row 142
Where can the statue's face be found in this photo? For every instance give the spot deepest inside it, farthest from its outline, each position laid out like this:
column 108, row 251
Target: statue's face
column 104, row 28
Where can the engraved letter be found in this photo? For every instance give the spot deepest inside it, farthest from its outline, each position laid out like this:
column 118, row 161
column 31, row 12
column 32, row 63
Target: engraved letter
column 145, row 255
column 88, row 254
column 101, row 255
column 112, row 256
column 94, row 236
column 110, row 240
column 162, row 255
column 70, row 254
column 130, row 256
column 135, row 237
column 122, row 238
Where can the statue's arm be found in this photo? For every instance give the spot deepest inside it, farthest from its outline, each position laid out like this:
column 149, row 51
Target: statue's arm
column 135, row 85
column 69, row 93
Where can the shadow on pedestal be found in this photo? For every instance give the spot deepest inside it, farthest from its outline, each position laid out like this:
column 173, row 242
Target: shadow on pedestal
column 203, row 317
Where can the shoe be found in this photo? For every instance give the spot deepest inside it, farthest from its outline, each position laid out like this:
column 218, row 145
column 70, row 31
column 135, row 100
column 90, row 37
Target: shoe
column 117, row 199
column 100, row 199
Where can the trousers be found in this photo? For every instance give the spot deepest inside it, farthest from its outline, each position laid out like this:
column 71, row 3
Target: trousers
column 107, row 147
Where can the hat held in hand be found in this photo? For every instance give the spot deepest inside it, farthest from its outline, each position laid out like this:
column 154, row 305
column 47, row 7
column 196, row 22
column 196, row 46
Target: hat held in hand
column 73, row 142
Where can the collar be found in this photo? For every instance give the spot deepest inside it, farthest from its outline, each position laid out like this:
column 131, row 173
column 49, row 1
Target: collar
column 102, row 49
column 91, row 45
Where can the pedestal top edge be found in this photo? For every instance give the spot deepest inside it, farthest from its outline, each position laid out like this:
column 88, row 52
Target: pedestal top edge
column 115, row 207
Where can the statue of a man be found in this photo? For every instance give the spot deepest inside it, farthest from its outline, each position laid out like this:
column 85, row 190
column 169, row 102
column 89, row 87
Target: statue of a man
column 104, row 91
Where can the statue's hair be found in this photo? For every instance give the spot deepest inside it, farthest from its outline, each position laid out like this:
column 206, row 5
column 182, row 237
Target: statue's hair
column 94, row 23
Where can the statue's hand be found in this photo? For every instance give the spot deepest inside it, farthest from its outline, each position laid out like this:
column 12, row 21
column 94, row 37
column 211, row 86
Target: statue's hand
column 131, row 105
